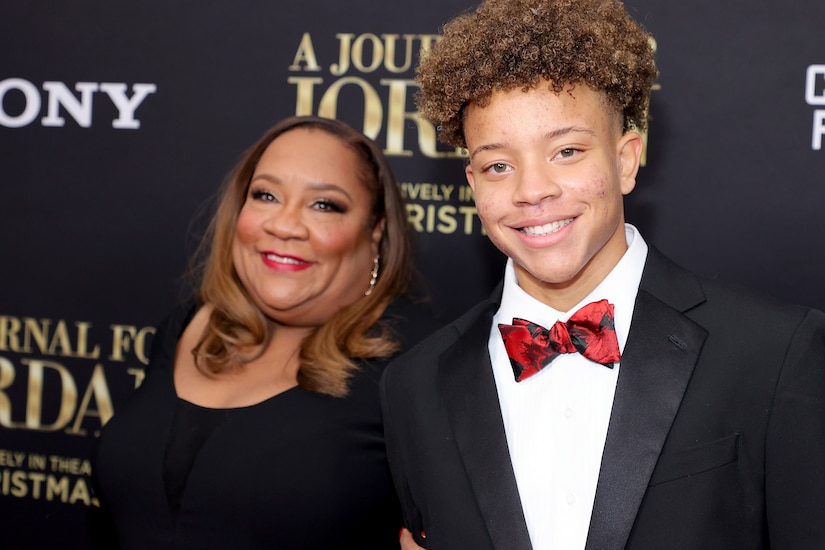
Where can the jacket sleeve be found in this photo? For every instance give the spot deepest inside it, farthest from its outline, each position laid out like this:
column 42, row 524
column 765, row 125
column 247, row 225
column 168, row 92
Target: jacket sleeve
column 795, row 447
column 396, row 456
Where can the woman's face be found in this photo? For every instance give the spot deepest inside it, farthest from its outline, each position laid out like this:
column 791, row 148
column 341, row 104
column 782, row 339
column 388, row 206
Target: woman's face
column 304, row 245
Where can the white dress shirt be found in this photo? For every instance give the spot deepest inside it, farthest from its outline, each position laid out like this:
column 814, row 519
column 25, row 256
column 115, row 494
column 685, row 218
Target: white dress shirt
column 556, row 420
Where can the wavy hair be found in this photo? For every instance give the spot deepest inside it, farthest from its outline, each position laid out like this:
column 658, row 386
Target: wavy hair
column 506, row 44
column 354, row 332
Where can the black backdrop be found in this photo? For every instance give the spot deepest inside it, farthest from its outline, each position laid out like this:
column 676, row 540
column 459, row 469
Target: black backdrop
column 118, row 121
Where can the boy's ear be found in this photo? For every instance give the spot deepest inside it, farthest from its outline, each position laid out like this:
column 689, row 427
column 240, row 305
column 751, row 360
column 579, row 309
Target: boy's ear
column 630, row 149
column 468, row 173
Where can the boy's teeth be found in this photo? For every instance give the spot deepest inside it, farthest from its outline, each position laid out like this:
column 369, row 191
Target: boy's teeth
column 547, row 228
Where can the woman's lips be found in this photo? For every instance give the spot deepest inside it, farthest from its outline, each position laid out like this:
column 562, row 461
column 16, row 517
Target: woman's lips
column 285, row 263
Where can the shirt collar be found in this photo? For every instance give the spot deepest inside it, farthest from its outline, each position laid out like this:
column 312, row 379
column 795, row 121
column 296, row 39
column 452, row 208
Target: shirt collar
column 620, row 288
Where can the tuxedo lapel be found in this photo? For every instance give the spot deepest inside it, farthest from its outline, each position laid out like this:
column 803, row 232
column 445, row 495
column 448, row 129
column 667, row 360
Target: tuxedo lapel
column 662, row 349
column 471, row 400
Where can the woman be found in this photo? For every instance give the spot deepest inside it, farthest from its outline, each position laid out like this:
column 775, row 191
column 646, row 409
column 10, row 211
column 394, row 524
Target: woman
column 258, row 424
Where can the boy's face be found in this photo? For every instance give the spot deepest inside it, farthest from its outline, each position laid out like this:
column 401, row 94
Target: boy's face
column 549, row 172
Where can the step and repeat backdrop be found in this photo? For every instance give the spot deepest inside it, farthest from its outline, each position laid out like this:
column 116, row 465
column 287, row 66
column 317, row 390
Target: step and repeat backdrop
column 119, row 120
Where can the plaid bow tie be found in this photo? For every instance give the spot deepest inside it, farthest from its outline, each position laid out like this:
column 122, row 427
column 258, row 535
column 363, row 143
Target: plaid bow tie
column 589, row 331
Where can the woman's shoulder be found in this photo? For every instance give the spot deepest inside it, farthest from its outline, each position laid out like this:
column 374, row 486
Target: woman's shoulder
column 411, row 320
column 170, row 329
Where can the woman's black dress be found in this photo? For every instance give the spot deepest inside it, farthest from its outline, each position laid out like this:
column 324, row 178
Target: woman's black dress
column 299, row 470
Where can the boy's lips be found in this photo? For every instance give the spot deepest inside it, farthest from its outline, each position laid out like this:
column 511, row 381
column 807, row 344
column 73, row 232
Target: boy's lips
column 546, row 229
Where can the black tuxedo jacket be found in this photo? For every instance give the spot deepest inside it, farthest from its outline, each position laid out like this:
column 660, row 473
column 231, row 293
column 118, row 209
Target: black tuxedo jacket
column 716, row 437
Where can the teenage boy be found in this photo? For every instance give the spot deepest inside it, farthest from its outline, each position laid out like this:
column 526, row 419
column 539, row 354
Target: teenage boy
column 603, row 397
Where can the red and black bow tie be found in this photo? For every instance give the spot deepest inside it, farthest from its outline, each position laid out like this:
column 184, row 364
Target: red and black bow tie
column 589, row 331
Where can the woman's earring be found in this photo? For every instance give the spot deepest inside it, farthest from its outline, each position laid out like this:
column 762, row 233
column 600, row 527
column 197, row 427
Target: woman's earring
column 373, row 274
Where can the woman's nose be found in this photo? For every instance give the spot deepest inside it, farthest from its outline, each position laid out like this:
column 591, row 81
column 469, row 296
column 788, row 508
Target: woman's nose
column 286, row 222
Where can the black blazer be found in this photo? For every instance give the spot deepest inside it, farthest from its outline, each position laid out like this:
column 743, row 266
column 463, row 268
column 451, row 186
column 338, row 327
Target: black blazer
column 716, row 437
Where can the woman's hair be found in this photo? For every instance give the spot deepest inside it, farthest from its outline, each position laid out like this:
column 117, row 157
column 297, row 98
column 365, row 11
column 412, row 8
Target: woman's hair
column 236, row 323
column 507, row 44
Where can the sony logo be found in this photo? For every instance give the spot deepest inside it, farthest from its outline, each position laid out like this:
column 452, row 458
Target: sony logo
column 60, row 100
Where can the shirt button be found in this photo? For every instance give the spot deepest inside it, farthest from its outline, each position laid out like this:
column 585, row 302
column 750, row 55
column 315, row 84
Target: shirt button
column 568, row 412
column 571, row 499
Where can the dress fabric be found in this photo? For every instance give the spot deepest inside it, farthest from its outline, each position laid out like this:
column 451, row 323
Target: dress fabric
column 299, row 470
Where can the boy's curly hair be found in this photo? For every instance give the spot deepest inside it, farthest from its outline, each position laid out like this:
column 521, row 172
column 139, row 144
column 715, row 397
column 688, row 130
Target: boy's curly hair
column 506, row 44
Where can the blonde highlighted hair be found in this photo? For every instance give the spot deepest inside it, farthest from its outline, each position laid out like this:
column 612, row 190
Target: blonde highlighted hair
column 328, row 353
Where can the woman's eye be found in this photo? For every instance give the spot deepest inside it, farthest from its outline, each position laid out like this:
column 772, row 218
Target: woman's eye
column 567, row 152
column 259, row 195
column 498, row 168
column 329, row 206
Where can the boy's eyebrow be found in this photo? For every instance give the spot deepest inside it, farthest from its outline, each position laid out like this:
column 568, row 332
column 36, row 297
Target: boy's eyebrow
column 547, row 137
column 568, row 130
column 487, row 147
